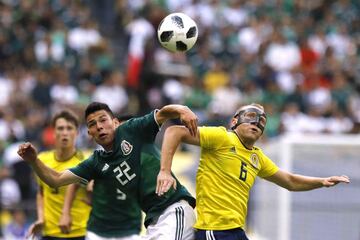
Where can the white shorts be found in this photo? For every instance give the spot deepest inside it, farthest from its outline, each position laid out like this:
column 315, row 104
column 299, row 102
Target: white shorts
column 175, row 223
column 93, row 236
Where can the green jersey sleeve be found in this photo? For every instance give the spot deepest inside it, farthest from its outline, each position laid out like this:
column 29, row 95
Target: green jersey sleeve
column 144, row 127
column 85, row 170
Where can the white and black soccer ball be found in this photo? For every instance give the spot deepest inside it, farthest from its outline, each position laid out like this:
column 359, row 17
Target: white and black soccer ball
column 177, row 32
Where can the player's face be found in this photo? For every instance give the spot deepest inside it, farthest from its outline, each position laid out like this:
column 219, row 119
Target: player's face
column 65, row 133
column 101, row 127
column 249, row 132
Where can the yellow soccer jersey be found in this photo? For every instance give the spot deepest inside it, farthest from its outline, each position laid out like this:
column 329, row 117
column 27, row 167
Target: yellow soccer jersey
column 226, row 173
column 54, row 200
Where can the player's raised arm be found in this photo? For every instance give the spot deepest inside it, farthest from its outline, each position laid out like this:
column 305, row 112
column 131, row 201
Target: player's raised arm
column 51, row 177
column 187, row 117
column 296, row 182
column 173, row 136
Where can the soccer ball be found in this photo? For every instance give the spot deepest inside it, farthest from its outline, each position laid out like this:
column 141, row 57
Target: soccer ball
column 177, row 32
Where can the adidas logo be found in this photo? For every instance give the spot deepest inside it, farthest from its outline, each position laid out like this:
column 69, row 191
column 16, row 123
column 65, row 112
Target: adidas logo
column 106, row 166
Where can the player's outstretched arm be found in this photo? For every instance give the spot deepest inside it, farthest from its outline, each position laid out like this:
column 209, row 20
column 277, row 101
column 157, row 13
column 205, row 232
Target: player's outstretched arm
column 173, row 136
column 52, row 178
column 296, row 182
column 187, row 117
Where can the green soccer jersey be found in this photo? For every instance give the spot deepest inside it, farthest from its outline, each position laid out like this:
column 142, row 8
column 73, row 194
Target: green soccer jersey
column 150, row 202
column 125, row 178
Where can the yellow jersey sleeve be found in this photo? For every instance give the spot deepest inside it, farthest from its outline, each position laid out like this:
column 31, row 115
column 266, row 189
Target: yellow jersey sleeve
column 268, row 167
column 213, row 137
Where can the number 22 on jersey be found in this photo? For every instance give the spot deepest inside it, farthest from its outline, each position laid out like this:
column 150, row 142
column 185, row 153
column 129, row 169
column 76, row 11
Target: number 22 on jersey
column 123, row 176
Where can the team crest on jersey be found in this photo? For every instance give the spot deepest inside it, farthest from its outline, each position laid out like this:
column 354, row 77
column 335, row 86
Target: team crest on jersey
column 254, row 158
column 126, row 147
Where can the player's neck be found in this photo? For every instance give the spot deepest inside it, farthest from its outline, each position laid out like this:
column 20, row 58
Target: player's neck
column 247, row 144
column 108, row 147
column 64, row 154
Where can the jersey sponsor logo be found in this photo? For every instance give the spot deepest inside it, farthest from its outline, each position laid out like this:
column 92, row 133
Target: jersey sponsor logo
column 126, row 147
column 106, row 166
column 254, row 159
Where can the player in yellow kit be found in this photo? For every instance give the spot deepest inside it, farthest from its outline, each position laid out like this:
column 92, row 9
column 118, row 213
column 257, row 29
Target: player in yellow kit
column 229, row 164
column 53, row 220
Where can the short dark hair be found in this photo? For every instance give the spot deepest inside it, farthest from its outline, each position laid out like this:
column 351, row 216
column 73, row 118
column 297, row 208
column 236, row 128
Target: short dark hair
column 123, row 118
column 97, row 106
column 68, row 115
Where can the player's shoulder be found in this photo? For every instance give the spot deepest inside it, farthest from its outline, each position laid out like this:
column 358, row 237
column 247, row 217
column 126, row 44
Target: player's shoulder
column 213, row 129
column 46, row 155
column 99, row 154
column 133, row 122
column 82, row 154
column 259, row 151
column 256, row 148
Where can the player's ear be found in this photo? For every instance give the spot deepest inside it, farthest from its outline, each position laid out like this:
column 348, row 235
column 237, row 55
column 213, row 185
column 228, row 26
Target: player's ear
column 116, row 122
column 90, row 136
column 233, row 122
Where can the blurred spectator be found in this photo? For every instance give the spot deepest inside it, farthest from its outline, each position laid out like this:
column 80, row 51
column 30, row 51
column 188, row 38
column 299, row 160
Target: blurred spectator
column 84, row 36
column 10, row 194
column 339, row 122
column 112, row 92
column 18, row 226
column 139, row 30
column 196, row 98
column 341, row 91
column 314, row 121
column 41, row 91
column 292, row 119
column 7, row 87
column 319, row 95
column 283, row 56
column 273, row 121
column 62, row 92
column 19, row 170
column 216, row 77
column 226, row 100
column 173, row 90
column 10, row 127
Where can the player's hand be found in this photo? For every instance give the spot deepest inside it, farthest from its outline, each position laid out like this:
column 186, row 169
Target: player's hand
column 190, row 120
column 164, row 182
column 332, row 181
column 35, row 229
column 65, row 223
column 27, row 152
column 90, row 186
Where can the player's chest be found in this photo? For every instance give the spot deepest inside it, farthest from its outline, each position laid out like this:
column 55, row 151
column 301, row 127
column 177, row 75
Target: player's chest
column 62, row 166
column 120, row 169
column 240, row 164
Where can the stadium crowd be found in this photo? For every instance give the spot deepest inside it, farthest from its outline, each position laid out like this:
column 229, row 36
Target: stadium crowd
column 300, row 59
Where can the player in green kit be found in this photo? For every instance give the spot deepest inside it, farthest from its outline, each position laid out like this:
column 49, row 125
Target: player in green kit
column 150, row 202
column 123, row 177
